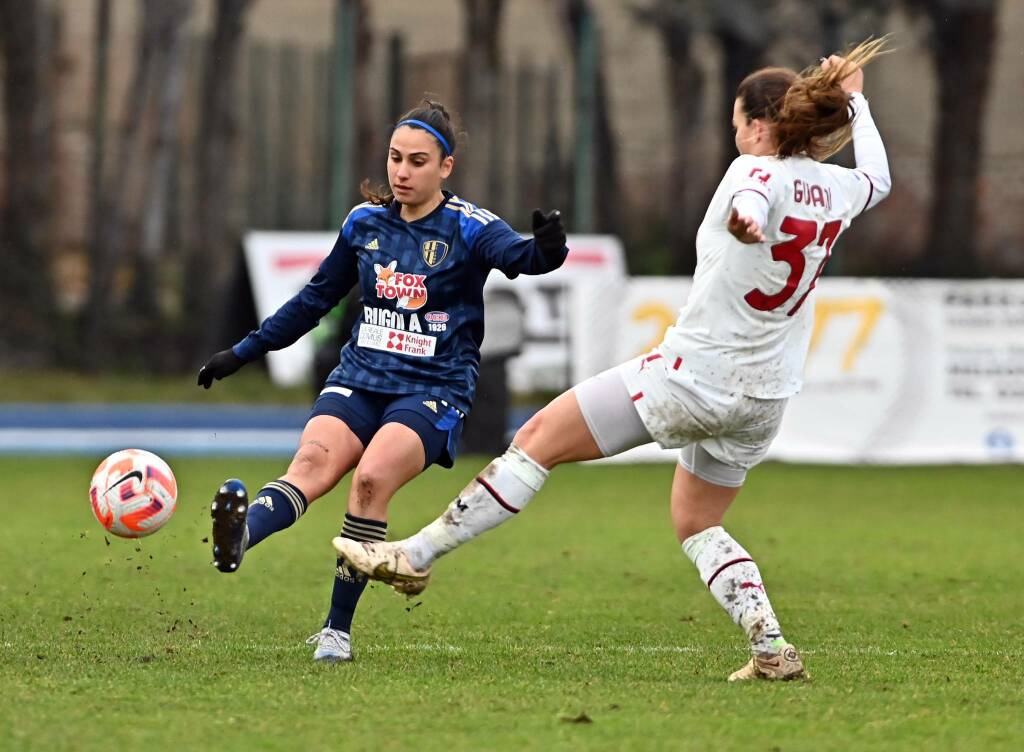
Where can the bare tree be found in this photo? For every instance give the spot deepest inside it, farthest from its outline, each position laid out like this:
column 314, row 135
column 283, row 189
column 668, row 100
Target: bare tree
column 209, row 258
column 28, row 36
column 608, row 200
column 481, row 102
column 963, row 41
column 370, row 159
column 164, row 148
column 677, row 22
column 156, row 63
column 745, row 30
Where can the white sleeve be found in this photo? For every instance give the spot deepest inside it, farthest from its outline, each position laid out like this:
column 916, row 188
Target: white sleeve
column 752, row 204
column 869, row 152
column 753, row 187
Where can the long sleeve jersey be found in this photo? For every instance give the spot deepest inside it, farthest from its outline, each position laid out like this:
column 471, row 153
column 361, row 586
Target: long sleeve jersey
column 422, row 319
column 747, row 322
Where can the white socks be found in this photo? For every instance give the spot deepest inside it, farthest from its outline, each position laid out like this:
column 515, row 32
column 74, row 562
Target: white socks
column 503, row 488
column 735, row 582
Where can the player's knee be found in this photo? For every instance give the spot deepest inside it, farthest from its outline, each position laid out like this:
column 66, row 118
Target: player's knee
column 309, row 462
column 368, row 483
column 530, row 432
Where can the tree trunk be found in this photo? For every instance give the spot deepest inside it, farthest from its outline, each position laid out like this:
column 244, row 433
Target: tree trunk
column 27, row 218
column 686, row 93
column 608, row 198
column 170, row 82
column 742, row 56
column 964, row 40
column 119, row 229
column 97, row 189
column 371, row 156
column 480, row 85
column 209, row 260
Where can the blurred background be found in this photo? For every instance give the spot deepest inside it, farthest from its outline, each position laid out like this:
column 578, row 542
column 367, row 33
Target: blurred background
column 141, row 139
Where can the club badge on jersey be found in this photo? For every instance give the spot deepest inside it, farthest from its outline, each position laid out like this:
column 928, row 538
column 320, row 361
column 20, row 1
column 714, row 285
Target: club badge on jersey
column 434, row 252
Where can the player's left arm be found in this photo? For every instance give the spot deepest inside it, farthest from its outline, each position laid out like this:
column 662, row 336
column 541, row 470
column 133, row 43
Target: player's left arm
column 503, row 248
column 753, row 193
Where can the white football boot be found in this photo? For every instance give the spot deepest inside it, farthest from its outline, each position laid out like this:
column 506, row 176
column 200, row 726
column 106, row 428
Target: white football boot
column 332, row 645
column 781, row 666
column 384, row 562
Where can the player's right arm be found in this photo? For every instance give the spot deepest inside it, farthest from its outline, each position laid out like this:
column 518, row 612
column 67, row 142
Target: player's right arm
column 335, row 277
column 868, row 149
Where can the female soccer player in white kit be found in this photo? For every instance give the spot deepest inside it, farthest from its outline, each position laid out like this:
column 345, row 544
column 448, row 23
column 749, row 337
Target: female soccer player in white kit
column 717, row 385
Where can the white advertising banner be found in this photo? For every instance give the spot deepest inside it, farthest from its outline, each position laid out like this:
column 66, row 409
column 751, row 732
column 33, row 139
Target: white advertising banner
column 280, row 263
column 898, row 371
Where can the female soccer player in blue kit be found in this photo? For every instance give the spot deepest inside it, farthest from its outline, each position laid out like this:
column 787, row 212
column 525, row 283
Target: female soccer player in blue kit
column 396, row 402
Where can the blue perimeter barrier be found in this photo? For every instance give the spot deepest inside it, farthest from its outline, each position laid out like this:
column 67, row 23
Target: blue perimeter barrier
column 90, row 429
column 185, row 429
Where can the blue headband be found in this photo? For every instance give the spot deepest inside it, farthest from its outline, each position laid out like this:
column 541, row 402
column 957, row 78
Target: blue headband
column 431, row 130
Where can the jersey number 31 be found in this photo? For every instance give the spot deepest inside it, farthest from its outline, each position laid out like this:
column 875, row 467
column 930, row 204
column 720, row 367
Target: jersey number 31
column 804, row 232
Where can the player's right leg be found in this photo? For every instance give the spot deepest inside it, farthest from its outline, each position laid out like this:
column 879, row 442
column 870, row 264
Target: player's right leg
column 329, row 448
column 593, row 420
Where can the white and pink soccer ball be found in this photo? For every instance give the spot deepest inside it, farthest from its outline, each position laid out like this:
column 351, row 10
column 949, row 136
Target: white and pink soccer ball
column 133, row 493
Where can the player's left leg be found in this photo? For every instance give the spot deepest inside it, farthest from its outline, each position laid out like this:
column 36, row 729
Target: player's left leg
column 416, row 432
column 702, row 491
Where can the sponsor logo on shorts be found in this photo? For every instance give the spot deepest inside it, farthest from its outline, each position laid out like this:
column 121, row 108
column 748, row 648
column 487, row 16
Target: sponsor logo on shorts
column 395, row 340
column 436, row 317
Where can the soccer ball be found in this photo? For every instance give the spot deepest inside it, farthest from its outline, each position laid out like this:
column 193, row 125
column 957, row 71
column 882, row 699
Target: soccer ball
column 133, row 493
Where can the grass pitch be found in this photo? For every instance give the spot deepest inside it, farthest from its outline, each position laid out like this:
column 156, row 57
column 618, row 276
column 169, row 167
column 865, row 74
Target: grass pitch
column 580, row 625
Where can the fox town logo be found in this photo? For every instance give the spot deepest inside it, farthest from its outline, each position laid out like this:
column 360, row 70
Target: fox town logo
column 408, row 290
column 434, row 252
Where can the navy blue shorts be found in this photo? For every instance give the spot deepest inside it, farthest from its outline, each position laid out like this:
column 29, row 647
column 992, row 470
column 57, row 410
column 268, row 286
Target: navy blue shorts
column 438, row 424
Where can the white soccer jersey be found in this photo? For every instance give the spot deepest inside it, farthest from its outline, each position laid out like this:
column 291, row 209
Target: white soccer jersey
column 747, row 323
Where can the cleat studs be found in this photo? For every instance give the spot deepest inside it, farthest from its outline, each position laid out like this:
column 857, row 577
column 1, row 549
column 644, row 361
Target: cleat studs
column 213, row 507
column 234, row 565
column 239, row 493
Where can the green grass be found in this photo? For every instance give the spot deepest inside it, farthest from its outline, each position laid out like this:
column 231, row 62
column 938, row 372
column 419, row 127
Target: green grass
column 251, row 385
column 902, row 587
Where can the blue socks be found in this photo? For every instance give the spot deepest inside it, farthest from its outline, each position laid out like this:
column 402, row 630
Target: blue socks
column 348, row 583
column 277, row 505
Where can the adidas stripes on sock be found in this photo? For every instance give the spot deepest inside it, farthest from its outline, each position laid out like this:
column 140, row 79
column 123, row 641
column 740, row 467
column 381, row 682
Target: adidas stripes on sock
column 348, row 583
column 277, row 506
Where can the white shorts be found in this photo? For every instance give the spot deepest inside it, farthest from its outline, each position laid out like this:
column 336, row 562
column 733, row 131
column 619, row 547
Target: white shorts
column 722, row 434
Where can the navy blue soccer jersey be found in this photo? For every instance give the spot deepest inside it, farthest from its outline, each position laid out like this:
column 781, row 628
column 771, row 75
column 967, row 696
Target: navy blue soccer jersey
column 422, row 282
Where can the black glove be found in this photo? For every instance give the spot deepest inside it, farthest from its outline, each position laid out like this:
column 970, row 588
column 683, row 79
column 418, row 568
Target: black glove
column 549, row 233
column 220, row 366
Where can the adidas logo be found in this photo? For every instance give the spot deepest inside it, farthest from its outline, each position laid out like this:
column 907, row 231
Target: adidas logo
column 266, row 501
column 373, row 245
column 431, row 405
column 346, row 573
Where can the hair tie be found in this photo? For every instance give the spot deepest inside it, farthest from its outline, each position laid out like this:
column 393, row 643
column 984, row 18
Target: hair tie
column 430, row 129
